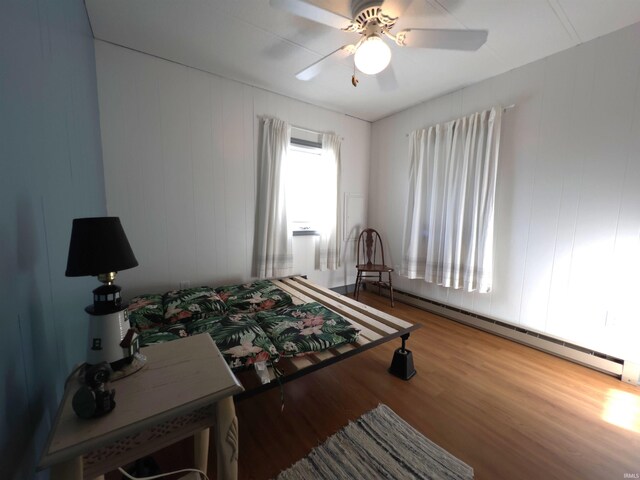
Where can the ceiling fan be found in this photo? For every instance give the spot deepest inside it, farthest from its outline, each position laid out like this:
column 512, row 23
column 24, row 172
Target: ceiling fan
column 374, row 20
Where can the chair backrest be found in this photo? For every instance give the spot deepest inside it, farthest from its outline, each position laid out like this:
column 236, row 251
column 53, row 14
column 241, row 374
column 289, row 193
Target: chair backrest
column 370, row 248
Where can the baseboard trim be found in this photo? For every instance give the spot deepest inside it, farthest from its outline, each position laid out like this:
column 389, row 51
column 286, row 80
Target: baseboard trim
column 590, row 358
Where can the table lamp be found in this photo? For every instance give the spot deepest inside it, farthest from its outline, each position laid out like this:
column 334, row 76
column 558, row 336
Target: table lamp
column 99, row 247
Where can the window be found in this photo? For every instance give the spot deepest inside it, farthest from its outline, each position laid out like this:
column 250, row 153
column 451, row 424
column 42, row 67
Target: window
column 313, row 176
column 448, row 237
column 307, row 178
column 298, row 183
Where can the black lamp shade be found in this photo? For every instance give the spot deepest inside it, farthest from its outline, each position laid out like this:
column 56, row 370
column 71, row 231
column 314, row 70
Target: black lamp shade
column 98, row 245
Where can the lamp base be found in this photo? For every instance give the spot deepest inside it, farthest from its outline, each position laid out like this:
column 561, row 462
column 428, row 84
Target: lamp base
column 106, row 332
column 133, row 366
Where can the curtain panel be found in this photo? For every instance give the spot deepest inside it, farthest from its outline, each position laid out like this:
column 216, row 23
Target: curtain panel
column 328, row 243
column 448, row 237
column 273, row 239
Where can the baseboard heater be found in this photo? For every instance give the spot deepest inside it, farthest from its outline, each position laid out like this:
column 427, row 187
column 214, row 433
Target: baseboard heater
column 575, row 353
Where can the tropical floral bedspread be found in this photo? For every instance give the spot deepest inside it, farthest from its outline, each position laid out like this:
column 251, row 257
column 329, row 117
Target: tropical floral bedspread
column 250, row 322
column 305, row 328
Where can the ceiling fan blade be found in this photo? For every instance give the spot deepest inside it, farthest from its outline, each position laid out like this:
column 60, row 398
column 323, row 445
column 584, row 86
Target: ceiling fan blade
column 438, row 38
column 387, row 79
column 312, row 12
column 395, row 8
column 314, row 69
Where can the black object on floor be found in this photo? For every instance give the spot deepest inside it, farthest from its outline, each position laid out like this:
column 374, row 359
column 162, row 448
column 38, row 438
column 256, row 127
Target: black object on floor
column 402, row 363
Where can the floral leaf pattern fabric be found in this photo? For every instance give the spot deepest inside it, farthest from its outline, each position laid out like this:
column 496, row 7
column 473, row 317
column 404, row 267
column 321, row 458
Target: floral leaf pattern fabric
column 182, row 306
column 250, row 323
column 254, row 297
column 146, row 311
column 239, row 338
column 306, row 328
column 161, row 334
column 204, row 324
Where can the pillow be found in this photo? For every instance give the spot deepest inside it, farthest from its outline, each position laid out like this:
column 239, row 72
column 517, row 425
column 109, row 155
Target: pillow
column 191, row 304
column 310, row 327
column 254, row 297
column 161, row 334
column 205, row 324
column 239, row 338
column 145, row 311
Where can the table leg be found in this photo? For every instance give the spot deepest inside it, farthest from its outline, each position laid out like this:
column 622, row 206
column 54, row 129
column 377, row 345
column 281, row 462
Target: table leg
column 201, row 449
column 226, row 438
column 69, row 470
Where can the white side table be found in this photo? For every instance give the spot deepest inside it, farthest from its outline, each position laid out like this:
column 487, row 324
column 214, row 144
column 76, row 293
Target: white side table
column 185, row 388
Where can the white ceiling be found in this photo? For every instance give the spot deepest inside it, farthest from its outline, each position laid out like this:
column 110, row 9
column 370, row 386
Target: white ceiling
column 251, row 42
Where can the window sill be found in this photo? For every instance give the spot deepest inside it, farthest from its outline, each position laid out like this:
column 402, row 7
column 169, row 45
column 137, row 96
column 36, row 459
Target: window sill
column 304, row 233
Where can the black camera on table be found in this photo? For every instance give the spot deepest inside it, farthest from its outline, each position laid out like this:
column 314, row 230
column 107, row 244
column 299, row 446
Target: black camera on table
column 94, row 399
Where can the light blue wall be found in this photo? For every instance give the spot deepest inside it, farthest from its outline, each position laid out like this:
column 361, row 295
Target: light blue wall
column 50, row 172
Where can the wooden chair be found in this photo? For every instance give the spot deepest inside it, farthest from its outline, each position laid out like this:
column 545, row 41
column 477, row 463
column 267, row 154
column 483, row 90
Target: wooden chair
column 370, row 261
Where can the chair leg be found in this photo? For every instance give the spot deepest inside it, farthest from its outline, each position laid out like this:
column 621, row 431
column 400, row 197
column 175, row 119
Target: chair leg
column 379, row 283
column 358, row 281
column 391, row 289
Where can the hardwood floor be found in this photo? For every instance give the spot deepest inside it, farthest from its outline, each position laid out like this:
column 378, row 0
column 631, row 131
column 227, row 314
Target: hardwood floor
column 509, row 411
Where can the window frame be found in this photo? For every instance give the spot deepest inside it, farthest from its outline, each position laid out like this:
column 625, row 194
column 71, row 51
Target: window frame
column 303, row 144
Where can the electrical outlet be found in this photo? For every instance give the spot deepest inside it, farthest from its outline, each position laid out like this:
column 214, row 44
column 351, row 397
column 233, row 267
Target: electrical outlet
column 185, row 283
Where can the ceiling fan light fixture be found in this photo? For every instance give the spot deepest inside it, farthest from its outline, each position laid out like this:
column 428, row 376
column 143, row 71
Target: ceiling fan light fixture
column 373, row 55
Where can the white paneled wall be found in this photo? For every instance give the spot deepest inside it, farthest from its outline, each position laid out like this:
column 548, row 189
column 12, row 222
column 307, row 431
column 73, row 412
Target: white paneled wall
column 180, row 159
column 568, row 199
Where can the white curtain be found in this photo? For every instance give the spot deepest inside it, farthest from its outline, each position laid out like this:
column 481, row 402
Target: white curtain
column 273, row 253
column 448, row 237
column 328, row 244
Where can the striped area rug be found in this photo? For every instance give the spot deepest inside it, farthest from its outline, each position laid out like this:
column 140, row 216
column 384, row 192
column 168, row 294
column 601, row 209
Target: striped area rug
column 378, row 445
